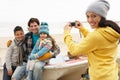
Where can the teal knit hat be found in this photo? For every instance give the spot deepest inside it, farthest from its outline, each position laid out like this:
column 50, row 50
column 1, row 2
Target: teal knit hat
column 44, row 28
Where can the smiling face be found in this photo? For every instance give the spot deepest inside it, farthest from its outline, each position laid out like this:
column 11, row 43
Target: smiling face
column 19, row 35
column 43, row 36
column 93, row 19
column 34, row 27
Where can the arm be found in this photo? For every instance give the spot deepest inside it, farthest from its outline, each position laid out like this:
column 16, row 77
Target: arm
column 45, row 49
column 42, row 51
column 84, row 31
column 81, row 28
column 35, row 49
column 8, row 57
column 28, row 39
column 85, row 46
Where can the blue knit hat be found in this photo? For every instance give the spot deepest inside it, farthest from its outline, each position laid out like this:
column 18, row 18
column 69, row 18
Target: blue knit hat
column 100, row 7
column 44, row 28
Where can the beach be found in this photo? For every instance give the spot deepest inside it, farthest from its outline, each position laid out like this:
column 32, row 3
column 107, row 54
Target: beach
column 58, row 38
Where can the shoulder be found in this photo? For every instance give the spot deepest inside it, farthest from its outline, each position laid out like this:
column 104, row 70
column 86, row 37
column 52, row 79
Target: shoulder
column 94, row 36
column 12, row 45
column 28, row 34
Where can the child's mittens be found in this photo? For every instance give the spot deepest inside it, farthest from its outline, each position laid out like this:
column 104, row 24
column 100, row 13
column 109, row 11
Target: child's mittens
column 32, row 57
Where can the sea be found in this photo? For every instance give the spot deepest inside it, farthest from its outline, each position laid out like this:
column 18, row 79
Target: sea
column 6, row 28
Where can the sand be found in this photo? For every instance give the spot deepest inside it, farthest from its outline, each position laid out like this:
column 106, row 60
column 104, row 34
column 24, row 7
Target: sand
column 57, row 37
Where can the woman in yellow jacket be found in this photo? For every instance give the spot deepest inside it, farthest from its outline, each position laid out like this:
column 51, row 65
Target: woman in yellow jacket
column 100, row 46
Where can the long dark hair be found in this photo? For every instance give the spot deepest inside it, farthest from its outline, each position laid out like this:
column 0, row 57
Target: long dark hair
column 103, row 23
column 53, row 42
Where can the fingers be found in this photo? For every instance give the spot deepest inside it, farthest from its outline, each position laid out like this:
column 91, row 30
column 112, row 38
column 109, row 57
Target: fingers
column 67, row 27
column 9, row 43
column 78, row 24
column 10, row 72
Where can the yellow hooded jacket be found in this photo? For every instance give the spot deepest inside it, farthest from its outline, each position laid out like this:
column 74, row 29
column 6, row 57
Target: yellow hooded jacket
column 100, row 46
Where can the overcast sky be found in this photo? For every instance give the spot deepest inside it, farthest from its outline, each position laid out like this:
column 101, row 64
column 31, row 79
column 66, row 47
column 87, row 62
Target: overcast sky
column 51, row 10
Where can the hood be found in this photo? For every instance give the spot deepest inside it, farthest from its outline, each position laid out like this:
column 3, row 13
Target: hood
column 109, row 33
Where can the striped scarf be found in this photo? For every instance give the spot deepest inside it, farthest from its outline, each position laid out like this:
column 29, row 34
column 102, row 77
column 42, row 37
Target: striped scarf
column 20, row 48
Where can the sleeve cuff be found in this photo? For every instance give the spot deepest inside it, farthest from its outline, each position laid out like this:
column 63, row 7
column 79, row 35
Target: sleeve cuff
column 66, row 32
column 82, row 29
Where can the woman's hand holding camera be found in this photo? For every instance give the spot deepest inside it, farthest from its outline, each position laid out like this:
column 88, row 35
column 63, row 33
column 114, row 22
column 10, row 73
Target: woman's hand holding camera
column 76, row 24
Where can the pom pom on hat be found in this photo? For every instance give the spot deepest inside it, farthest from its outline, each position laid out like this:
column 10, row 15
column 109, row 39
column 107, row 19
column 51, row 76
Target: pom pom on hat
column 44, row 28
column 100, row 7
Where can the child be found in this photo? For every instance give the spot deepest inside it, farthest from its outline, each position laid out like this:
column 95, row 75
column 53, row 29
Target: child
column 15, row 54
column 43, row 47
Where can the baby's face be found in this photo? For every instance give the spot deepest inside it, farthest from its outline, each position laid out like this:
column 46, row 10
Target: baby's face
column 43, row 36
column 19, row 35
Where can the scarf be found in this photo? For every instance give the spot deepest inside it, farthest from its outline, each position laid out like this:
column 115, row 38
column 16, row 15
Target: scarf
column 20, row 47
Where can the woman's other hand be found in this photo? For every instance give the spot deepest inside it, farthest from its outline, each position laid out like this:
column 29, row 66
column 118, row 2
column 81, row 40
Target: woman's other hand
column 67, row 26
column 72, row 57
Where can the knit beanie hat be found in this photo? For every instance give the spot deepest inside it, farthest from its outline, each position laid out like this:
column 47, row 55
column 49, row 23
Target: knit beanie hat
column 100, row 7
column 44, row 28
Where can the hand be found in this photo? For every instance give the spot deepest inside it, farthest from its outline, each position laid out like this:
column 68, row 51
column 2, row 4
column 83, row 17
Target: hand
column 9, row 43
column 31, row 57
column 79, row 24
column 72, row 57
column 10, row 72
column 67, row 27
column 69, row 55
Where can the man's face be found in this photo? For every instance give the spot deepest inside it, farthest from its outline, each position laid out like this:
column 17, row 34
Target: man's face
column 34, row 27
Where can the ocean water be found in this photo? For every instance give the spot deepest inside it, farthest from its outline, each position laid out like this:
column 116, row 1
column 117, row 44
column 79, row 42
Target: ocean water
column 6, row 28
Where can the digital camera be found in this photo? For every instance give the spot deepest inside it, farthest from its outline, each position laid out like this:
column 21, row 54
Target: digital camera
column 73, row 24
